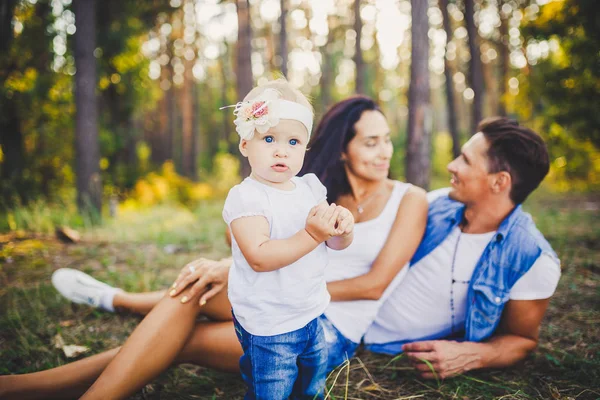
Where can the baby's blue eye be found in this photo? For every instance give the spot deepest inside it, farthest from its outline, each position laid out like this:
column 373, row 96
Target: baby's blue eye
column 293, row 142
column 269, row 139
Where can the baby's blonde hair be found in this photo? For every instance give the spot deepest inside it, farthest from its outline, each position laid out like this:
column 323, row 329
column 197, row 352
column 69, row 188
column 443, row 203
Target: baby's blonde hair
column 287, row 91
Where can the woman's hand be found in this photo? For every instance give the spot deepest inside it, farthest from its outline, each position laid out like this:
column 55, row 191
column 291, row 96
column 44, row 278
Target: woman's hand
column 209, row 276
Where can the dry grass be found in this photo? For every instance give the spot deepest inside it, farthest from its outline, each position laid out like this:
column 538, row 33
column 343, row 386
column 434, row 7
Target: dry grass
column 135, row 253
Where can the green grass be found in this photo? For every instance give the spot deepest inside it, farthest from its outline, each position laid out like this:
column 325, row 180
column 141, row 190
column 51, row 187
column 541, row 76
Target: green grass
column 144, row 250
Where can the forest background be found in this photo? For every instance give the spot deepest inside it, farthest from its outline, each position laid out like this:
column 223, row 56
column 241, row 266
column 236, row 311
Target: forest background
column 146, row 127
column 110, row 124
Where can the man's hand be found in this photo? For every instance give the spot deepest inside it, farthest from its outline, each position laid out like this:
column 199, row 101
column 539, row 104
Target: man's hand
column 448, row 358
column 516, row 337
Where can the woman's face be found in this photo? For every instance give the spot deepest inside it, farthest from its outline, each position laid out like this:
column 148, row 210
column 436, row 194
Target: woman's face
column 369, row 152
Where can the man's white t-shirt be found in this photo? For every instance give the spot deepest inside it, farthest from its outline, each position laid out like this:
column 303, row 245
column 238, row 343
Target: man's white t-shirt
column 281, row 301
column 419, row 308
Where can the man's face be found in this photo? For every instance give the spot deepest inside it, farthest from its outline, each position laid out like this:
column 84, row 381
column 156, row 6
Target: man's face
column 470, row 177
column 277, row 155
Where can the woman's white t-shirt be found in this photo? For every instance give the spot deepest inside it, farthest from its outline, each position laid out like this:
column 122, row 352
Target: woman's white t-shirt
column 352, row 318
column 281, row 301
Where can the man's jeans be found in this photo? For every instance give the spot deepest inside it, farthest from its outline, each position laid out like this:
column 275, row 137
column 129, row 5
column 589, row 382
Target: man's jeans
column 291, row 365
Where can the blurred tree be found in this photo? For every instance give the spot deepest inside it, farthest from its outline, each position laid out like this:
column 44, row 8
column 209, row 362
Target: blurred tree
column 11, row 136
column 327, row 64
column 125, row 88
column 161, row 145
column 38, row 106
column 504, row 57
column 244, row 63
column 283, row 46
column 358, row 54
column 418, row 146
column 89, row 182
column 189, row 141
column 226, row 73
column 475, row 68
column 566, row 86
column 451, row 109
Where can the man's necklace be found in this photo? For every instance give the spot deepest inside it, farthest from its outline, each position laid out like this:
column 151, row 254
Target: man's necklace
column 360, row 207
column 453, row 281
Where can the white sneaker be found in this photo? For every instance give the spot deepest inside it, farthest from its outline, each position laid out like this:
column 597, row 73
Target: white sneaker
column 81, row 288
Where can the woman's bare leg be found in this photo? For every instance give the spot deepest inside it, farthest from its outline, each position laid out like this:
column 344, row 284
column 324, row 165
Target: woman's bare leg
column 139, row 303
column 154, row 344
column 143, row 303
column 211, row 344
column 66, row 382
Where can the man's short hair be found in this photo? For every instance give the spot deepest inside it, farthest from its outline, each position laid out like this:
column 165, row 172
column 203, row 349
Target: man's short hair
column 517, row 150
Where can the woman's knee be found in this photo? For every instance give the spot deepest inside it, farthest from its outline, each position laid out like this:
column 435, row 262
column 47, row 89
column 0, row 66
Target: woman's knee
column 214, row 345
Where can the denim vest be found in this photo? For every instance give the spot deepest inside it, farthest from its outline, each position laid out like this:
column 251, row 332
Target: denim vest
column 510, row 254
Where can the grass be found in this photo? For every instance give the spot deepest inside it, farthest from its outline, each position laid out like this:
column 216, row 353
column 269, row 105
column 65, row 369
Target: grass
column 144, row 250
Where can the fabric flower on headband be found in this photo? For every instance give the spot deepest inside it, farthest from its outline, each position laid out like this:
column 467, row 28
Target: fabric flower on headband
column 265, row 112
column 260, row 113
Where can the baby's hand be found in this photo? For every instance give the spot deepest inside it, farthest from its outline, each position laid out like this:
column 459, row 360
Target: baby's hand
column 344, row 223
column 321, row 221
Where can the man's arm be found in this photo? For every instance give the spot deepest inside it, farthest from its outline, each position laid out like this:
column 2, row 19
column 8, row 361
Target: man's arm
column 516, row 337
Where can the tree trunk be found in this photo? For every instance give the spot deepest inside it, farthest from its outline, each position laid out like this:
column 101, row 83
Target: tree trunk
column 11, row 137
column 491, row 88
column 13, row 152
column 451, row 108
column 358, row 55
column 503, row 52
column 159, row 148
column 475, row 69
column 283, row 47
column 327, row 67
column 89, row 183
column 244, row 63
column 208, row 138
column 227, row 119
column 199, row 137
column 7, row 11
column 419, row 108
column 170, row 139
column 187, row 116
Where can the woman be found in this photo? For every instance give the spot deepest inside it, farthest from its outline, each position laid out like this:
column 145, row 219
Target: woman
column 350, row 152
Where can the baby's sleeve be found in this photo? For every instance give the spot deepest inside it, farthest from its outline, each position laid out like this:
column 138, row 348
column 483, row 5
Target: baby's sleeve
column 318, row 189
column 246, row 201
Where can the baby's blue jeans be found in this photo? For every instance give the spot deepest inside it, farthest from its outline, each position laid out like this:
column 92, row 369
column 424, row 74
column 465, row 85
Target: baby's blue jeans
column 291, row 365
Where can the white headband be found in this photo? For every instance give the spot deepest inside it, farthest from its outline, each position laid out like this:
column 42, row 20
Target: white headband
column 265, row 111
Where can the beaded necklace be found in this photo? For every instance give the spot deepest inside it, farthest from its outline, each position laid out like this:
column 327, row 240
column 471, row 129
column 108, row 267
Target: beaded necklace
column 455, row 281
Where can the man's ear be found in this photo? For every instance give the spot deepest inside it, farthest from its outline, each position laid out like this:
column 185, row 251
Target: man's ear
column 244, row 147
column 502, row 182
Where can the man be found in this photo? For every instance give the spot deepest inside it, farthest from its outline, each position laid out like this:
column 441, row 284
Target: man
column 480, row 282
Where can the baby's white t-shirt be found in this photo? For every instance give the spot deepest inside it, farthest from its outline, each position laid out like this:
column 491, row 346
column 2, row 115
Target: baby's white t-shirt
column 281, row 301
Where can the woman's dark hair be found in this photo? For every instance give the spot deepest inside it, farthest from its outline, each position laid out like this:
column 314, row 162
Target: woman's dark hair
column 517, row 150
column 330, row 140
